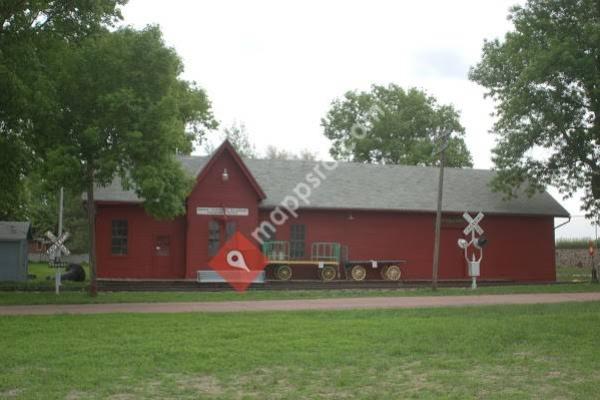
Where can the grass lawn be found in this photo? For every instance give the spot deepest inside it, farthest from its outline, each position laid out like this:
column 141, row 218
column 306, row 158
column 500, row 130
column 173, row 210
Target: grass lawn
column 42, row 273
column 498, row 352
column 81, row 297
column 573, row 274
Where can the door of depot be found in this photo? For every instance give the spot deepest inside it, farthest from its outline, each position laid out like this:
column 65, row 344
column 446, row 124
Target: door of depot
column 162, row 260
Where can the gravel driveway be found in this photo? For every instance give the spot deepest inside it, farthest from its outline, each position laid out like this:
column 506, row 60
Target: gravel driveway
column 354, row 303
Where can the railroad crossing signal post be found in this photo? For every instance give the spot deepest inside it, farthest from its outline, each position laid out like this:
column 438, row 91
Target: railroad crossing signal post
column 54, row 253
column 60, row 231
column 473, row 228
column 58, row 248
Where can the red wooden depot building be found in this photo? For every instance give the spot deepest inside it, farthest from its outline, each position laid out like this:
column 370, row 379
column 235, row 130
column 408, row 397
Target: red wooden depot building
column 375, row 212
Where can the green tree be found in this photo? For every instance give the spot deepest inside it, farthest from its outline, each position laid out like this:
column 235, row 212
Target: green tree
column 122, row 111
column 389, row 125
column 238, row 137
column 545, row 80
column 307, row 155
column 28, row 31
column 42, row 211
column 274, row 153
column 13, row 167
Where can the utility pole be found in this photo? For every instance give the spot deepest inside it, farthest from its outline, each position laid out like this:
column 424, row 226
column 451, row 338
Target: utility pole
column 438, row 217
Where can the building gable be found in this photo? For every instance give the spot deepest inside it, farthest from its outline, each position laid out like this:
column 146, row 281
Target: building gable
column 224, row 200
column 227, row 150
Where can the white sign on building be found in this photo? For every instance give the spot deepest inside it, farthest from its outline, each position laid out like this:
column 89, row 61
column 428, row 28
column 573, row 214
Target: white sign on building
column 233, row 212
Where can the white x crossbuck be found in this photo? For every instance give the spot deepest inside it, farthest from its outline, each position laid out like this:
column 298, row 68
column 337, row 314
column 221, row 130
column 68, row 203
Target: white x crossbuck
column 58, row 246
column 473, row 223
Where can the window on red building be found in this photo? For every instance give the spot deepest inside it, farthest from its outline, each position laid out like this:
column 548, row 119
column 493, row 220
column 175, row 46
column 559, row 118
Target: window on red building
column 214, row 237
column 230, row 229
column 120, row 231
column 297, row 240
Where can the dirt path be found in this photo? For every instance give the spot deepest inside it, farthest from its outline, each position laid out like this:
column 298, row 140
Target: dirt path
column 313, row 304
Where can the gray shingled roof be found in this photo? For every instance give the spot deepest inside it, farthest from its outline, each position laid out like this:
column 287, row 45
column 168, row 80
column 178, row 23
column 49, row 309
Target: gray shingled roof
column 375, row 187
column 11, row 230
column 114, row 192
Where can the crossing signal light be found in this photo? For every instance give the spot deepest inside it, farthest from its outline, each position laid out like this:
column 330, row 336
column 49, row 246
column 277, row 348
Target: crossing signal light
column 481, row 242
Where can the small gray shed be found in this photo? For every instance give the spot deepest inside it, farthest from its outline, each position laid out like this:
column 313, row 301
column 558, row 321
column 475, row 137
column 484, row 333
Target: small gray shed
column 13, row 250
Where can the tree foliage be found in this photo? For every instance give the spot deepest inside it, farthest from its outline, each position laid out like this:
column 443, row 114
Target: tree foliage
column 29, row 31
column 307, row 155
column 238, row 136
column 274, row 153
column 392, row 126
column 42, row 211
column 13, row 166
column 123, row 111
column 545, row 79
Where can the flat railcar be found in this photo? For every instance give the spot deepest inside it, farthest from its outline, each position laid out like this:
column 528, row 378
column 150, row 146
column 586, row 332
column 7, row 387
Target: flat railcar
column 331, row 262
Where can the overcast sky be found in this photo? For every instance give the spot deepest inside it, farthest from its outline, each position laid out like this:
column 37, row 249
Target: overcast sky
column 277, row 65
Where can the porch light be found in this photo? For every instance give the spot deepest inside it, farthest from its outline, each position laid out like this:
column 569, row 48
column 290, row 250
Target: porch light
column 225, row 175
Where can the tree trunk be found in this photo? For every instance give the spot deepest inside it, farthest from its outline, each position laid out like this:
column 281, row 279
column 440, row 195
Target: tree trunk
column 595, row 184
column 91, row 209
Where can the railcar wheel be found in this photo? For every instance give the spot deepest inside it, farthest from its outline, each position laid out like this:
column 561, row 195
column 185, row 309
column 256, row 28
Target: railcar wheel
column 328, row 273
column 391, row 273
column 358, row 273
column 283, row 273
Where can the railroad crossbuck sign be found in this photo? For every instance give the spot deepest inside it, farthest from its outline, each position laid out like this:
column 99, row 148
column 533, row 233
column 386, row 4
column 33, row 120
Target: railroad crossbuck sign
column 472, row 229
column 58, row 247
column 473, row 223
